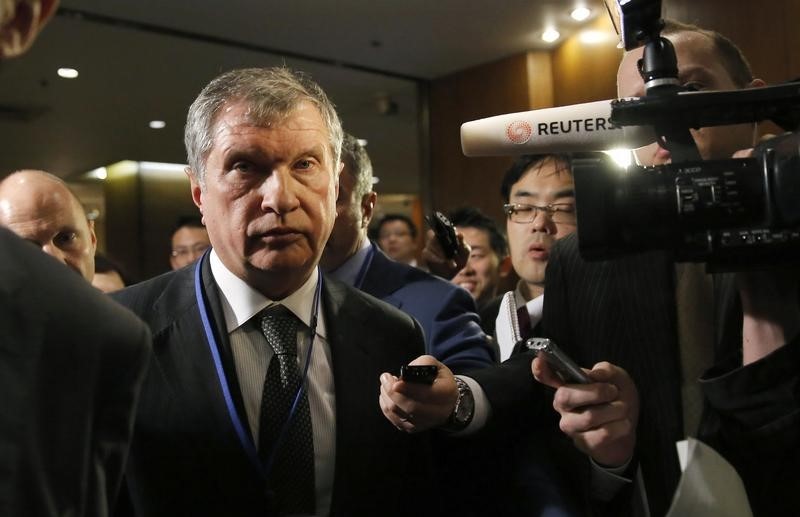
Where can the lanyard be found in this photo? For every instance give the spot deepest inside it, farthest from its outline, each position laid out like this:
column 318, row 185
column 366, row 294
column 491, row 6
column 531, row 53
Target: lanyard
column 244, row 437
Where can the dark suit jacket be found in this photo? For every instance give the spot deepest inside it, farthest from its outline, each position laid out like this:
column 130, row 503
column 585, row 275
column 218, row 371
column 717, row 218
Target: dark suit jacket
column 185, row 456
column 445, row 311
column 624, row 311
column 71, row 365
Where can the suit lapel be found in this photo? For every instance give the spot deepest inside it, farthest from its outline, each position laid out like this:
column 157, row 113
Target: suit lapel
column 184, row 356
column 382, row 279
column 355, row 357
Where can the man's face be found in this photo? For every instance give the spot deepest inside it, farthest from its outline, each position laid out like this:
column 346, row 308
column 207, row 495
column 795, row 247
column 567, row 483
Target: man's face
column 396, row 241
column 269, row 196
column 188, row 243
column 480, row 275
column 353, row 213
column 698, row 67
column 43, row 211
column 530, row 243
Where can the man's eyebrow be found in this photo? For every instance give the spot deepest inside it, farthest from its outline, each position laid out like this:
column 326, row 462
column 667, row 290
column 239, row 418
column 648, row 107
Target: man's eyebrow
column 567, row 192
column 524, row 193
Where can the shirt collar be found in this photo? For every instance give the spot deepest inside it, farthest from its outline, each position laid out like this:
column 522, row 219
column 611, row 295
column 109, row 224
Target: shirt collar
column 240, row 302
column 349, row 270
column 534, row 305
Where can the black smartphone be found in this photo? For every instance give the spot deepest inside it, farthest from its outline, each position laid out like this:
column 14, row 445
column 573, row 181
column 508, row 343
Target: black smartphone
column 445, row 233
column 420, row 374
column 560, row 362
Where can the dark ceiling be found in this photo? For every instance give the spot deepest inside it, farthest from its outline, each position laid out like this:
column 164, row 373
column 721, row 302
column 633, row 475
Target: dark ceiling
column 146, row 60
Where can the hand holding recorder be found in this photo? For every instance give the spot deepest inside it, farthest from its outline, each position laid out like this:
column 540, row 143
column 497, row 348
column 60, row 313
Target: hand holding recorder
column 599, row 416
column 420, row 402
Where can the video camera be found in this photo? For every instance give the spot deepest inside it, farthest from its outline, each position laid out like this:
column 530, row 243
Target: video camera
column 733, row 214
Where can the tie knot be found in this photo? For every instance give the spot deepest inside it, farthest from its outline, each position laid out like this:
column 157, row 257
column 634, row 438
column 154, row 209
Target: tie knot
column 279, row 326
column 524, row 320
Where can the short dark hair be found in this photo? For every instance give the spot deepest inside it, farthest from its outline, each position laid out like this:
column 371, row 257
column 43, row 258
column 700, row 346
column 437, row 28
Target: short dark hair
column 187, row 221
column 412, row 228
column 471, row 217
column 104, row 264
column 527, row 162
column 730, row 55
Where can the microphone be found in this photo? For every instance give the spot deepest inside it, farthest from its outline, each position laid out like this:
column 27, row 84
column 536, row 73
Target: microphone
column 566, row 129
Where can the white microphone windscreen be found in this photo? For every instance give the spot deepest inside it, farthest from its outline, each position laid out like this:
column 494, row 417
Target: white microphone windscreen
column 565, row 129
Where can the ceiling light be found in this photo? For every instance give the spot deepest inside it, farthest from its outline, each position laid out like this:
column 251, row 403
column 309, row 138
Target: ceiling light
column 591, row 37
column 67, row 73
column 159, row 167
column 99, row 173
column 550, row 35
column 157, row 124
column 580, row 13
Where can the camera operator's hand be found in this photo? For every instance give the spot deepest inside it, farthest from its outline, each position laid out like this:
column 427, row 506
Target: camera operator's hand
column 417, row 407
column 434, row 258
column 601, row 417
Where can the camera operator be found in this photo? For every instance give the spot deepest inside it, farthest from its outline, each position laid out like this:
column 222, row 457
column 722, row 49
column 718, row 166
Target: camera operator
column 666, row 324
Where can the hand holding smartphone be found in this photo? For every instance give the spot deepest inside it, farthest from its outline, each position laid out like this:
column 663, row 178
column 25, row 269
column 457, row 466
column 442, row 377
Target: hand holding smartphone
column 445, row 233
column 559, row 362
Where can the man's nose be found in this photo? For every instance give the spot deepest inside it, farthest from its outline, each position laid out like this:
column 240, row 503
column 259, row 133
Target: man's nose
column 543, row 222
column 279, row 191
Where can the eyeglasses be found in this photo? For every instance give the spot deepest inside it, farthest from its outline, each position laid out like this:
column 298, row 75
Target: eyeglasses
column 194, row 250
column 559, row 213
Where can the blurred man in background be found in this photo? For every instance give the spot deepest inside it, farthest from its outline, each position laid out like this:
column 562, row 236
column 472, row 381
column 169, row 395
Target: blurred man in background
column 189, row 241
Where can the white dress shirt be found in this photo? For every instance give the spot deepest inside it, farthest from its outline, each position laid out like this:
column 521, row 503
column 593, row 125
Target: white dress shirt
column 252, row 354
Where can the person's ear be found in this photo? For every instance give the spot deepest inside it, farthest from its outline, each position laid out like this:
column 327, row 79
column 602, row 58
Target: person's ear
column 26, row 20
column 197, row 191
column 92, row 236
column 368, row 208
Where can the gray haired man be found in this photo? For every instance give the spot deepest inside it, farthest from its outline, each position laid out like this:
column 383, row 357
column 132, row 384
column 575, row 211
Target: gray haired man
column 261, row 397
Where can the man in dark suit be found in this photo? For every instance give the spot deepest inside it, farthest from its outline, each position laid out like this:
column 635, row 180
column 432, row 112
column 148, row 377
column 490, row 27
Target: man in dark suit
column 446, row 312
column 71, row 366
column 71, row 361
column 665, row 324
column 260, row 399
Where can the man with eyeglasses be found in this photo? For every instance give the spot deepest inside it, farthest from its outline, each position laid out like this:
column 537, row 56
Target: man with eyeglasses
column 539, row 196
column 189, row 241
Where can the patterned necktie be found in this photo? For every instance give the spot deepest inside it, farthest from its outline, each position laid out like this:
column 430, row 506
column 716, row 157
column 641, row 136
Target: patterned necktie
column 291, row 478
